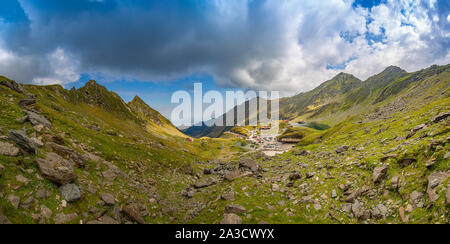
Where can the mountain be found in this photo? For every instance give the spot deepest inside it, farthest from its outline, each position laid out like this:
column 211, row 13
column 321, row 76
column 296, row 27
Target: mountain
column 213, row 129
column 154, row 120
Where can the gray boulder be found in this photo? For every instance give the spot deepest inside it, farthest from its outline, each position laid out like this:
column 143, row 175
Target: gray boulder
column 56, row 169
column 8, row 149
column 23, row 141
column 231, row 219
column 70, row 192
column 379, row 173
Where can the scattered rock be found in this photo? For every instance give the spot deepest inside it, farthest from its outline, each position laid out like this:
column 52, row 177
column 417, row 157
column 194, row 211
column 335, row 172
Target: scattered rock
column 302, row 153
column 235, row 209
column 27, row 203
column 232, row 219
column 43, row 194
column 228, row 196
column 275, row 187
column 380, row 211
column 236, row 174
column 133, row 213
column 70, row 192
column 333, row 194
column 342, row 149
column 188, row 192
column 37, row 119
column 23, row 141
column 8, row 149
column 27, row 102
column 395, row 183
column 22, row 179
column 68, row 153
column 407, row 161
column 14, row 200
column 379, row 173
column 417, row 199
column 56, row 169
column 4, row 220
column 108, row 199
column 440, row 117
column 415, row 130
column 46, row 212
column 295, row 176
column 388, row 156
column 65, row 218
column 11, row 85
column 109, row 174
column 205, row 183
column 247, row 163
column 435, row 179
column 403, row 217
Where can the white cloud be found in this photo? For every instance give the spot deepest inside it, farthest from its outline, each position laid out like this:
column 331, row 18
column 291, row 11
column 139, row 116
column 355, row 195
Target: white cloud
column 272, row 45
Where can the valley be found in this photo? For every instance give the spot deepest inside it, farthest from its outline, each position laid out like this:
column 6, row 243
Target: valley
column 348, row 151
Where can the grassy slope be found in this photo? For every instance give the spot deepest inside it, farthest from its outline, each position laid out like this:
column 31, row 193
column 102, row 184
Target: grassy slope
column 155, row 166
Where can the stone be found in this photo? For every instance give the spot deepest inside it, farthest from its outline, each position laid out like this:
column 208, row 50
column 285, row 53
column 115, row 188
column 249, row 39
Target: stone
column 317, row 206
column 417, row 199
column 4, row 220
column 346, row 207
column 14, row 200
column 275, row 187
column 409, row 208
column 403, row 217
column 295, row 176
column 415, row 130
column 333, row 194
column 440, row 117
column 302, row 153
column 37, row 119
column 235, row 209
column 380, row 211
column 342, row 149
column 23, row 141
column 68, row 153
column 188, row 192
column 395, row 182
column 65, row 218
column 22, row 179
column 132, row 212
column 46, row 212
column 232, row 219
column 56, row 169
column 27, row 203
column 228, row 196
column 109, row 174
column 435, row 179
column 247, row 163
column 108, row 199
column 8, row 149
column 388, row 156
column 11, row 85
column 27, row 102
column 407, row 161
column 43, row 194
column 236, row 174
column 70, row 192
column 379, row 173
column 204, row 183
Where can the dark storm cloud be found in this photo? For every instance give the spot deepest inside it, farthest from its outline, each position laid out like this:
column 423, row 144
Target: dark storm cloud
column 246, row 43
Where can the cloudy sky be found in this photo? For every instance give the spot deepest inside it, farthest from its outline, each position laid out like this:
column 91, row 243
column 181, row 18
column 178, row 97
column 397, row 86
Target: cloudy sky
column 153, row 48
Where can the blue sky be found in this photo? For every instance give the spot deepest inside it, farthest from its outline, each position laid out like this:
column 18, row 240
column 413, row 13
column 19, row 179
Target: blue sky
column 153, row 48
